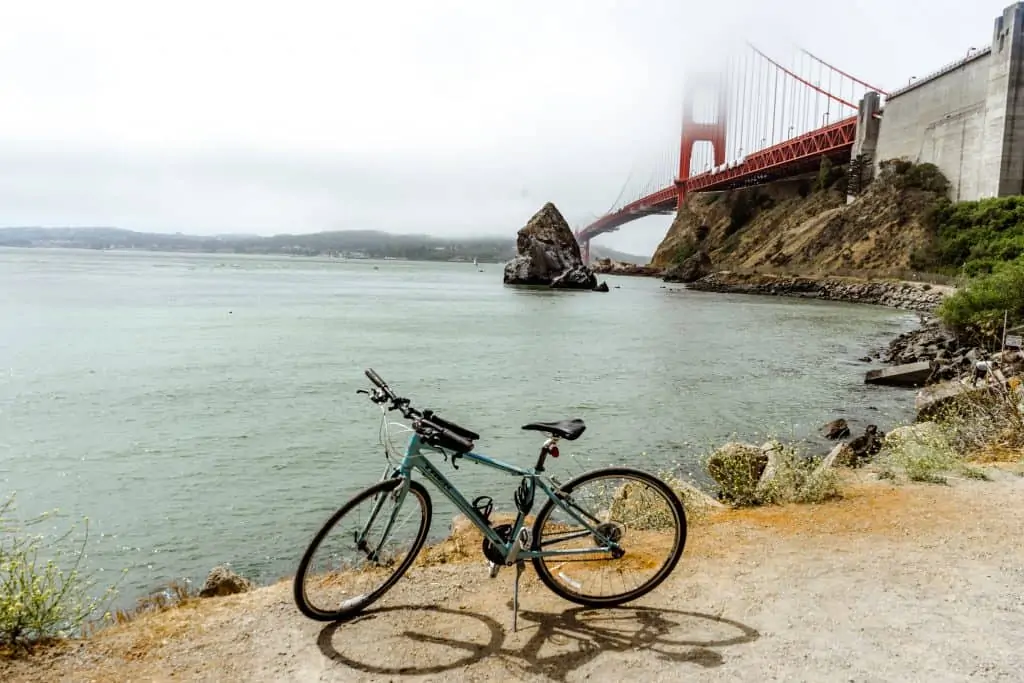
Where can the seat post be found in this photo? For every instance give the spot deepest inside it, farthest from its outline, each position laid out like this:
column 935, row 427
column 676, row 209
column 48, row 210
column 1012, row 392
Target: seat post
column 551, row 443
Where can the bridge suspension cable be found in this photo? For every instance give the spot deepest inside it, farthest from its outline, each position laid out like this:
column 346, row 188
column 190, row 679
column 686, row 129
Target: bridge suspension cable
column 754, row 119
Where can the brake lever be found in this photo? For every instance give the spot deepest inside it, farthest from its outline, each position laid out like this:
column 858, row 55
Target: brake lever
column 362, row 391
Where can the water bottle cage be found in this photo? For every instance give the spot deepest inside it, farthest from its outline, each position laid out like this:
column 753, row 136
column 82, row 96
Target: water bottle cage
column 484, row 505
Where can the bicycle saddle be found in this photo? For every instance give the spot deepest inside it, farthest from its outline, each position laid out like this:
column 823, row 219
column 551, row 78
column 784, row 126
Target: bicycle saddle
column 566, row 429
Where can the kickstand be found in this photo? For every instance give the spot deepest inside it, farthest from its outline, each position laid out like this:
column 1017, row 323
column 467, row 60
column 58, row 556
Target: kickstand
column 515, row 596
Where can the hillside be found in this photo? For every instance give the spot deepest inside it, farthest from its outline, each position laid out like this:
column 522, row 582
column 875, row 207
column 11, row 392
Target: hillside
column 805, row 226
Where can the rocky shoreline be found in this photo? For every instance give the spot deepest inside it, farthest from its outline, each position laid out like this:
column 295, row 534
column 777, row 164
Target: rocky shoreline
column 909, row 296
column 606, row 266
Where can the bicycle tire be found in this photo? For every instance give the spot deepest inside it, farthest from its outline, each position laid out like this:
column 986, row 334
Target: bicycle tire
column 299, row 590
column 612, row 601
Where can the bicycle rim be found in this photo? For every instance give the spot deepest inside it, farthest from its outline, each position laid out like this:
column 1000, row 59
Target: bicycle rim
column 634, row 507
column 362, row 550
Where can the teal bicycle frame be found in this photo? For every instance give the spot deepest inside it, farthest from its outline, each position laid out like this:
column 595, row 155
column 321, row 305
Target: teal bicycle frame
column 416, row 460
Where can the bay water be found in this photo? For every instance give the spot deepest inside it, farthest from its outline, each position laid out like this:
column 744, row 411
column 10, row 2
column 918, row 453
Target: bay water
column 201, row 408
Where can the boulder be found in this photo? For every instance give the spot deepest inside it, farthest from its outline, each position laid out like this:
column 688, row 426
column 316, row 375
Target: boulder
column 840, row 456
column 865, row 446
column 603, row 287
column 547, row 254
column 692, row 269
column 223, row 581
column 575, row 278
column 924, row 433
column 737, row 468
column 836, row 429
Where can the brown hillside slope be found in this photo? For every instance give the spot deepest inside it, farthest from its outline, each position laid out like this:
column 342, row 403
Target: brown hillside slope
column 774, row 229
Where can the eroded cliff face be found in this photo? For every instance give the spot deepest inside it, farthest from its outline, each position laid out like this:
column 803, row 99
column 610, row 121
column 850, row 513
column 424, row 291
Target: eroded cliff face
column 787, row 228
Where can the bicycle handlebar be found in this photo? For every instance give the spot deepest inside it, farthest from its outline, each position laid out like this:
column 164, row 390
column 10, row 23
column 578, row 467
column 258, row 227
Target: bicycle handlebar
column 432, row 428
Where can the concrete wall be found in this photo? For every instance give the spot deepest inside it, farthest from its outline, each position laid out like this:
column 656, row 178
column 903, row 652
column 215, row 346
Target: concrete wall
column 964, row 118
column 941, row 120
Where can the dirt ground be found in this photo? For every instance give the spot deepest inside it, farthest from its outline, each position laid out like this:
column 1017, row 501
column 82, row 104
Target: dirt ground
column 894, row 583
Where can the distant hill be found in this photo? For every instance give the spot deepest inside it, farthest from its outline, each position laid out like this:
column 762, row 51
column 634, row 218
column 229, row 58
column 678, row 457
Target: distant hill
column 347, row 243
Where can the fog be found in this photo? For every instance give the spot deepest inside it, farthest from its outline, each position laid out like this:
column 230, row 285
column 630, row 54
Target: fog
column 449, row 118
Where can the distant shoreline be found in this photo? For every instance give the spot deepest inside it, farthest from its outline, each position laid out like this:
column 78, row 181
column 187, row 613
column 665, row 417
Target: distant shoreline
column 199, row 252
column 350, row 244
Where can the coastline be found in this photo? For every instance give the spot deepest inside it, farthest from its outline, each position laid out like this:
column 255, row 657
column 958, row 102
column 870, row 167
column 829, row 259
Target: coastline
column 911, row 296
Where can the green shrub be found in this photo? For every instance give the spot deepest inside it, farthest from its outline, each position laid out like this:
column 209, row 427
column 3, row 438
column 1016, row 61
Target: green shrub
column 903, row 174
column 685, row 250
column 830, row 175
column 922, row 452
column 976, row 310
column 979, row 235
column 44, row 594
column 745, row 203
column 928, row 451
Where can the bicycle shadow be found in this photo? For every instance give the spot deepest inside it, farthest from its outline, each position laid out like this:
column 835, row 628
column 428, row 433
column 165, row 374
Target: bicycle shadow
column 424, row 640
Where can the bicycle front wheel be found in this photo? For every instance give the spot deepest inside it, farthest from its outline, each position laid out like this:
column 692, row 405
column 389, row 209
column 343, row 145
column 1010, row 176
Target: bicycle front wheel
column 636, row 510
column 362, row 550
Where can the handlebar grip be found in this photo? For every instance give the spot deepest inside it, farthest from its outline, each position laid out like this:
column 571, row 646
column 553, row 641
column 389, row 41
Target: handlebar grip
column 451, row 426
column 436, row 435
column 455, row 442
column 375, row 378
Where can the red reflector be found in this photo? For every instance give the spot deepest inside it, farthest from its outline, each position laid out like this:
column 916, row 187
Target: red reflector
column 553, row 451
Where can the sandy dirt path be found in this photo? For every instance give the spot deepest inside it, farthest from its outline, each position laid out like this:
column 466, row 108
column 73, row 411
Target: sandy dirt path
column 894, row 583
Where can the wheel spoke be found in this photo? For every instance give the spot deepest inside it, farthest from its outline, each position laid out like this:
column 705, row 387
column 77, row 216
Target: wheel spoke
column 351, row 563
column 635, row 539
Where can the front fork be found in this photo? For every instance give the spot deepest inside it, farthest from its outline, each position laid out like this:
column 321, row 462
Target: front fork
column 398, row 493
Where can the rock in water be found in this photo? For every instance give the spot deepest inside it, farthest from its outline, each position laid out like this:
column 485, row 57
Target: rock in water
column 223, row 581
column 837, row 429
column 547, row 254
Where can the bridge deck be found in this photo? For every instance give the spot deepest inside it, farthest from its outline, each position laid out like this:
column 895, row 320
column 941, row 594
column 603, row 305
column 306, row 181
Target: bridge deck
column 787, row 159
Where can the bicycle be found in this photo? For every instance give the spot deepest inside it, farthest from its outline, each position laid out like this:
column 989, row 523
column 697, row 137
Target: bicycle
column 379, row 559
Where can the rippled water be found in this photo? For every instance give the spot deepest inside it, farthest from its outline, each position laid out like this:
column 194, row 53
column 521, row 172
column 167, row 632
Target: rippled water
column 201, row 408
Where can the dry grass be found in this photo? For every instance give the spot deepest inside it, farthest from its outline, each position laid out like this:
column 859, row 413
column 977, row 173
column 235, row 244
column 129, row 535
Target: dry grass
column 975, row 428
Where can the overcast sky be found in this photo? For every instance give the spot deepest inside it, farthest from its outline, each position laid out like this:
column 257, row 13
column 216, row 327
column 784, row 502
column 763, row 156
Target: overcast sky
column 443, row 117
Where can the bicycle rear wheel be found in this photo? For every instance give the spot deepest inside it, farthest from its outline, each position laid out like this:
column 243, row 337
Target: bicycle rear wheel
column 362, row 550
column 637, row 510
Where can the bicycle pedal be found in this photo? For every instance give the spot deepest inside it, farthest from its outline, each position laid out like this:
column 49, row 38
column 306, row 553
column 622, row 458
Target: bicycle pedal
column 494, row 569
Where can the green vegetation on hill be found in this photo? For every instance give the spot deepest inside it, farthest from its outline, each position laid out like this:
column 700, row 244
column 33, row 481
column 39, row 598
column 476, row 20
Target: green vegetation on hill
column 975, row 238
column 982, row 241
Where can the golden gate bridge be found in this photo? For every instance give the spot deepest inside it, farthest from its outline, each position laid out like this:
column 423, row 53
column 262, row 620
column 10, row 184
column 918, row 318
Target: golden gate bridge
column 749, row 121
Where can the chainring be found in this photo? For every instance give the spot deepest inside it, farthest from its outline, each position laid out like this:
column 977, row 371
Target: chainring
column 492, row 552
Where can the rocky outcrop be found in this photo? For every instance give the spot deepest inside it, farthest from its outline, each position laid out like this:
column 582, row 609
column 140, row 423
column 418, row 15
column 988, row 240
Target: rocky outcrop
column 904, row 295
column 548, row 254
column 607, row 266
column 690, row 270
column 793, row 227
column 836, row 429
column 737, row 469
column 223, row 581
